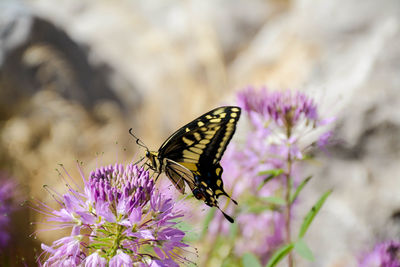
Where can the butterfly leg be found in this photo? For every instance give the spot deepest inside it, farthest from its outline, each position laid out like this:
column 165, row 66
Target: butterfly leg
column 157, row 177
column 140, row 160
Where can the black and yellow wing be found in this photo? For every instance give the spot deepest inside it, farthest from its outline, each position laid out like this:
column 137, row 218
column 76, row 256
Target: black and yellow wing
column 198, row 147
column 205, row 138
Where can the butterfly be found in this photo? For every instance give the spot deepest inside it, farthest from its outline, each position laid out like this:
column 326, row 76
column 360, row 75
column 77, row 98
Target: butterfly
column 192, row 155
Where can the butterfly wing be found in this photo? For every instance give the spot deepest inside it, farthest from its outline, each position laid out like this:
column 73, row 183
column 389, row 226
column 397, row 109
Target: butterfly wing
column 202, row 139
column 178, row 174
column 198, row 147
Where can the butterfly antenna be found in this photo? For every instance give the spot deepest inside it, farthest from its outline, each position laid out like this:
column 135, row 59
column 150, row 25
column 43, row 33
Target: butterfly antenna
column 138, row 141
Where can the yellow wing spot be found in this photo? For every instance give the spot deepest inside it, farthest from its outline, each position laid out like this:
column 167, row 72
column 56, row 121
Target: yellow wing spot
column 204, row 141
column 204, row 184
column 217, row 172
column 209, row 136
column 218, row 111
column 196, row 150
column 203, row 129
column 215, row 120
column 232, row 120
column 190, row 166
column 235, row 109
column 197, row 136
column 208, row 117
column 209, row 191
column 187, row 141
column 200, row 123
column 190, row 160
column 190, row 155
column 219, row 182
column 187, row 129
column 233, row 115
column 223, row 115
column 201, row 146
column 218, row 192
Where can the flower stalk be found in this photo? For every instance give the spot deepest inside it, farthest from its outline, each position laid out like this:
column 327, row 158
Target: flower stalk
column 288, row 207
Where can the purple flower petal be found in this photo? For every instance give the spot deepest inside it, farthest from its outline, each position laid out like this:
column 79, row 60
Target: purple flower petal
column 121, row 259
column 95, row 260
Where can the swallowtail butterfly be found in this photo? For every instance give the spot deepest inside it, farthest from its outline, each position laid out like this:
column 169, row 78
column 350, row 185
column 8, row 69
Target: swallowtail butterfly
column 191, row 155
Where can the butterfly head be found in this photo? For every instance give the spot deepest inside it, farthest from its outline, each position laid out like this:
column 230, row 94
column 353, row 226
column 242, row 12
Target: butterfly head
column 152, row 156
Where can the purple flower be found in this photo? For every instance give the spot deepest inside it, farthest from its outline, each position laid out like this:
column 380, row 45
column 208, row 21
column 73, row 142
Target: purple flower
column 276, row 141
column 7, row 206
column 286, row 109
column 63, row 250
column 287, row 119
column 386, row 254
column 117, row 219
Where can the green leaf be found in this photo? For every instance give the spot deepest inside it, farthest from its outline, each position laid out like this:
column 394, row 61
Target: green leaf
column 250, row 260
column 207, row 220
column 312, row 213
column 99, row 245
column 279, row 255
column 299, row 188
column 274, row 200
column 105, row 232
column 270, row 174
column 303, row 250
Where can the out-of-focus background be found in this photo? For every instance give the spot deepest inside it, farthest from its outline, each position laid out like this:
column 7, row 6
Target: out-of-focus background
column 76, row 75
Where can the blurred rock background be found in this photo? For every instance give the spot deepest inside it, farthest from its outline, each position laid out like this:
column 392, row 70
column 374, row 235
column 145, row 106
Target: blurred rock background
column 76, row 75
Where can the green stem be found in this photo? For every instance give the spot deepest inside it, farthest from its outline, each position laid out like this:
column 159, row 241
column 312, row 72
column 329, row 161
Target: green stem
column 288, row 209
column 117, row 241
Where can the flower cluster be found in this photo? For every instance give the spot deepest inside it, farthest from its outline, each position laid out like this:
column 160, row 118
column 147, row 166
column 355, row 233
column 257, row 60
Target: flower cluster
column 278, row 120
column 286, row 109
column 117, row 219
column 385, row 254
column 284, row 116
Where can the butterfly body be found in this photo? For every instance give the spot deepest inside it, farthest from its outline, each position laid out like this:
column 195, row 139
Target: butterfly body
column 191, row 155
